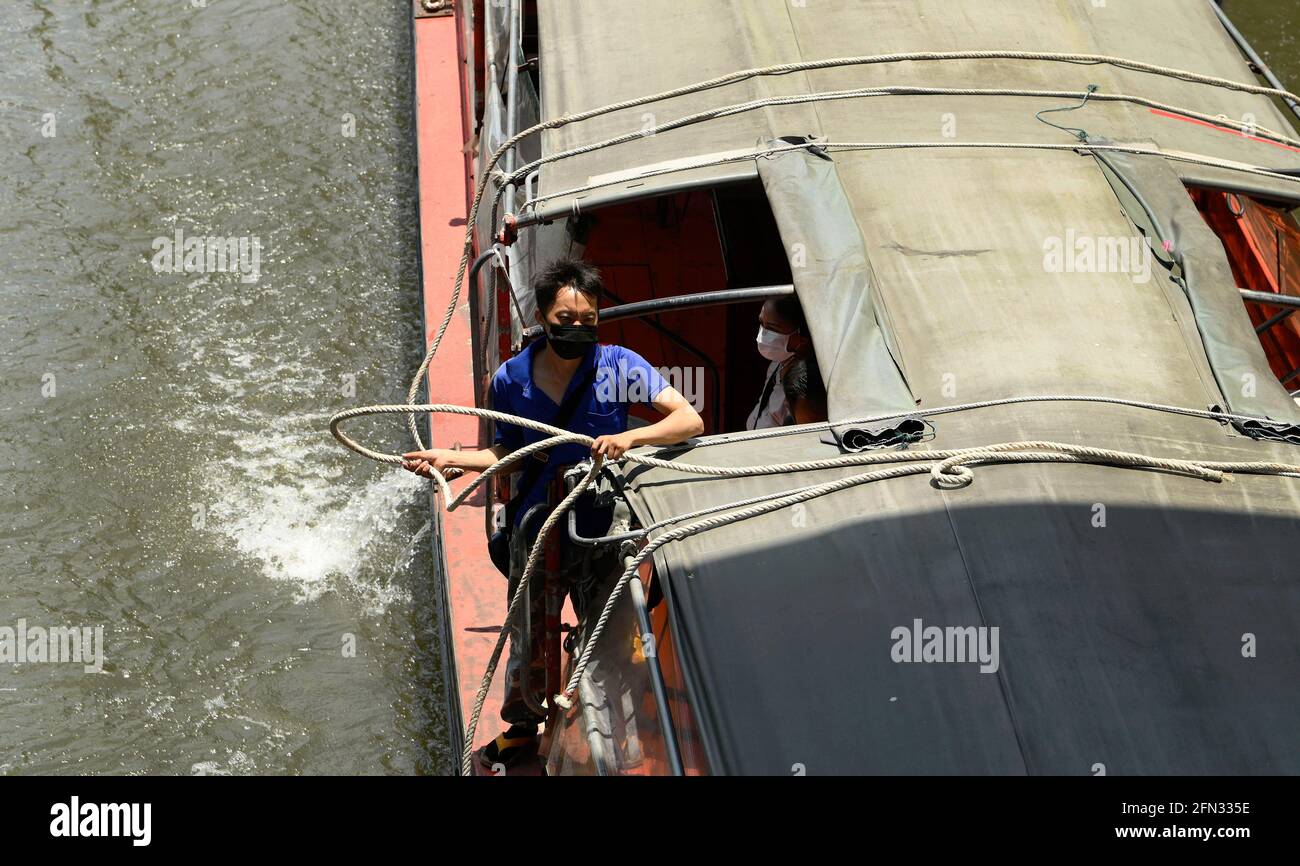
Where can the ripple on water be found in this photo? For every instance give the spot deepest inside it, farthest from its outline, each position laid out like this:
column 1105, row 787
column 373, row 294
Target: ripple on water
column 183, row 391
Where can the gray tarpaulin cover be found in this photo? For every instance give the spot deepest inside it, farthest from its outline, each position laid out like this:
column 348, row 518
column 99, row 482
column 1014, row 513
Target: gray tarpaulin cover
column 1127, row 602
column 598, row 52
column 832, row 275
column 1235, row 354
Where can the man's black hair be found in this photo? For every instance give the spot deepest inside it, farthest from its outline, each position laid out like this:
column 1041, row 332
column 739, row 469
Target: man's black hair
column 566, row 272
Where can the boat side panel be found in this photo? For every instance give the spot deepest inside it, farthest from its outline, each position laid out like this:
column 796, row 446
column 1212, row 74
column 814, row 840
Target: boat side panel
column 474, row 590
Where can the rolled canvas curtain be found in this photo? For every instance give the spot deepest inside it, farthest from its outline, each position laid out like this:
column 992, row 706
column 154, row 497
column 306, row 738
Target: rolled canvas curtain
column 1201, row 267
column 835, row 284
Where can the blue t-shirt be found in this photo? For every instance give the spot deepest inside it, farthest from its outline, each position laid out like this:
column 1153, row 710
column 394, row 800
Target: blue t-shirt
column 622, row 378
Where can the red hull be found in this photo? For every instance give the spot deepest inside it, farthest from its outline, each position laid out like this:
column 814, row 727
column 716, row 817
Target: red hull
column 472, row 589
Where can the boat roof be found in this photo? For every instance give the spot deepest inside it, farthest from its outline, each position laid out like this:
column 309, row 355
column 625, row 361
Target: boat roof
column 1123, row 602
column 927, row 266
column 601, row 52
column 926, row 284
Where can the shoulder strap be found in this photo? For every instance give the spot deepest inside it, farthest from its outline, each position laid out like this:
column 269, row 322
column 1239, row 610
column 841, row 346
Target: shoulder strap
column 570, row 404
column 768, row 387
column 537, row 463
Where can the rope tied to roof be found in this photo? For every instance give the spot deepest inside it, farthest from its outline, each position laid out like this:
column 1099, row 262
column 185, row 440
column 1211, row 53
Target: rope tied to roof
column 952, row 473
column 948, row 469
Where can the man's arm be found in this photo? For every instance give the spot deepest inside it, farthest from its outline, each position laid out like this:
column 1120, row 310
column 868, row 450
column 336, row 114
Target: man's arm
column 509, row 438
column 680, row 422
column 420, row 462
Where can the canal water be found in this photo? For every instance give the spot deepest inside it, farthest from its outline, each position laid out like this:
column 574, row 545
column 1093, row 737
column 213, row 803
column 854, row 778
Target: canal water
column 167, row 475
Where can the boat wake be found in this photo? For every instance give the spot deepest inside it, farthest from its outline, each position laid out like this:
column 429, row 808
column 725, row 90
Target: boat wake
column 281, row 503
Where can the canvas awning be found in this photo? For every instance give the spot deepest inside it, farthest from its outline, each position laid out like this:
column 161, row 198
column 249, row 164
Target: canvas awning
column 1121, row 641
column 1122, row 599
column 956, row 239
column 598, row 52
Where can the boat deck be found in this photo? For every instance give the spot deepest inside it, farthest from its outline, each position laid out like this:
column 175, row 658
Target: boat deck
column 471, row 588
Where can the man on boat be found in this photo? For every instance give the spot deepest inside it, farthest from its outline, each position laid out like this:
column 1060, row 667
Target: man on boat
column 783, row 340
column 566, row 377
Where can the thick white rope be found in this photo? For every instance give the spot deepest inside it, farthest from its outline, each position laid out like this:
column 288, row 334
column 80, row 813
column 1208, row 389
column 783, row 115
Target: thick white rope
column 773, row 432
column 521, row 594
column 865, row 92
column 560, row 436
column 949, row 469
column 348, row 442
column 853, row 146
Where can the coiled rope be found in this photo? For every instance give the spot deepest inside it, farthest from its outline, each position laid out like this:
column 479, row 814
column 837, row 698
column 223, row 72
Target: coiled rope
column 953, row 468
column 949, row 470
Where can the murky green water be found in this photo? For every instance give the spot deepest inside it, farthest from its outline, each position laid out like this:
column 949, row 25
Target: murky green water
column 166, row 474
column 1272, row 27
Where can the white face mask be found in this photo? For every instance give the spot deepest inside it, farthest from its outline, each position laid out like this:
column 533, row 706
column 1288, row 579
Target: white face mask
column 774, row 346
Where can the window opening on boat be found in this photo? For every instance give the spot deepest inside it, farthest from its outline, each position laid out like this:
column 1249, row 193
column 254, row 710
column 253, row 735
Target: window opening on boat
column 1262, row 243
column 686, row 275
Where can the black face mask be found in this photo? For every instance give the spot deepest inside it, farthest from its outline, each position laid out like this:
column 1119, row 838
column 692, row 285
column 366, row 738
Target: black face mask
column 570, row 341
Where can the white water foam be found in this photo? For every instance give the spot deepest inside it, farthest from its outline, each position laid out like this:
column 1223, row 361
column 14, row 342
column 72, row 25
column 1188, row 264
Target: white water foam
column 283, row 503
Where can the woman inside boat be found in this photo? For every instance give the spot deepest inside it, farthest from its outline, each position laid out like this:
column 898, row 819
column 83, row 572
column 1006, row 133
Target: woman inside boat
column 783, row 340
column 569, row 380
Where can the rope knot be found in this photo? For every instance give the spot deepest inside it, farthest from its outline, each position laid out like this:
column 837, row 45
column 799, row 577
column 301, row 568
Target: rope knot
column 564, row 700
column 951, row 475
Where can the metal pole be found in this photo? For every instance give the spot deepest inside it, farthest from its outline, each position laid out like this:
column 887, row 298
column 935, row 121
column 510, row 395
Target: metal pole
column 1275, row 319
column 651, row 653
column 512, row 126
column 671, row 303
column 1269, row 298
column 699, row 299
column 512, row 97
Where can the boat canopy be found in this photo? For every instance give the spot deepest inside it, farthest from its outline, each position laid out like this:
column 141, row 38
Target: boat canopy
column 601, row 52
column 946, row 286
column 935, row 277
column 1126, row 605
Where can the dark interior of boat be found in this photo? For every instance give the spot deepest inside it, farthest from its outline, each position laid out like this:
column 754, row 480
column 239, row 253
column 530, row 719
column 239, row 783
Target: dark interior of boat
column 1262, row 241
column 689, row 243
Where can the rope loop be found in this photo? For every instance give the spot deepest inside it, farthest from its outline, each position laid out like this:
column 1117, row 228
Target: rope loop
column 951, row 475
